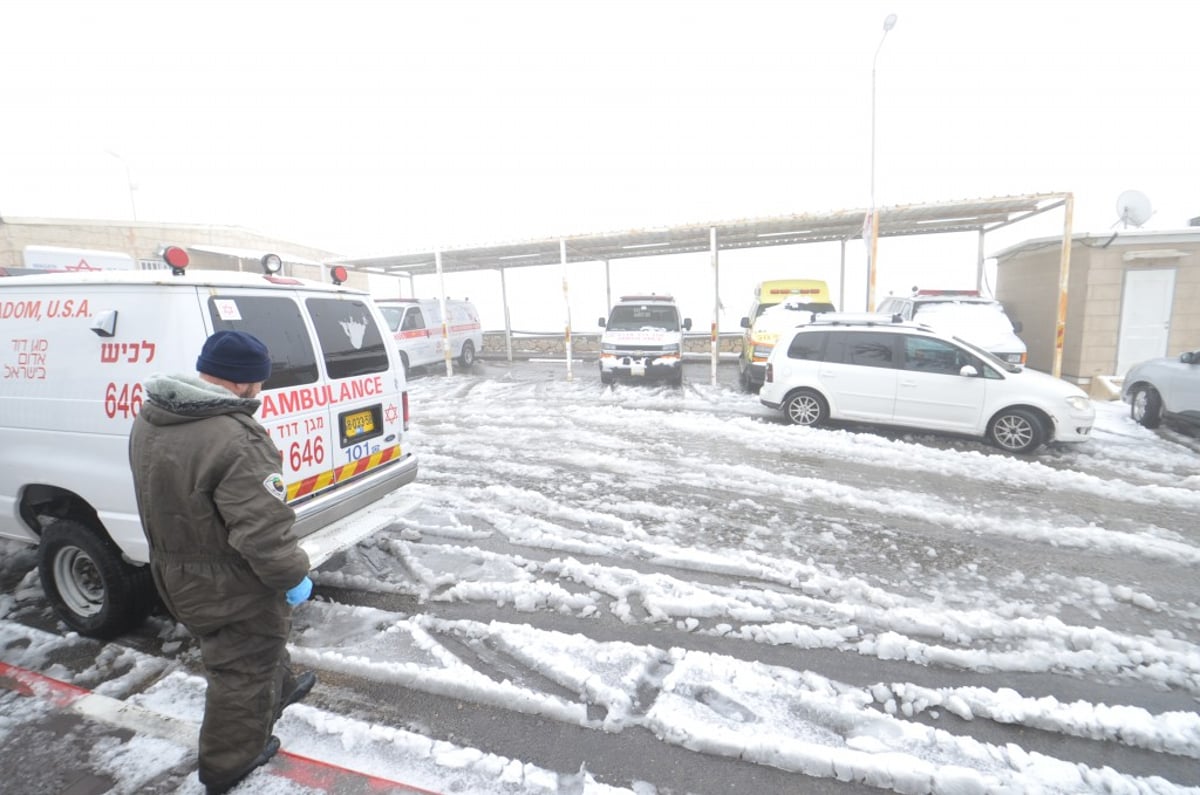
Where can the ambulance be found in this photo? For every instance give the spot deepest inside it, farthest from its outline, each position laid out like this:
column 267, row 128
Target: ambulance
column 643, row 339
column 421, row 337
column 804, row 296
column 77, row 349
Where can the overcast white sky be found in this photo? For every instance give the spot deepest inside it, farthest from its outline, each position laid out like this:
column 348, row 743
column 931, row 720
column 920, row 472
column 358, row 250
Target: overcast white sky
column 367, row 128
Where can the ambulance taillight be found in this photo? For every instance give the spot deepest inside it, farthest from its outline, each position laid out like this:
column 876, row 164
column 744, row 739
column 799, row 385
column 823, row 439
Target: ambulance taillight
column 176, row 258
column 404, row 402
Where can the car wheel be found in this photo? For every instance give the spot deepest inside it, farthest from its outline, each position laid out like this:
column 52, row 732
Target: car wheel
column 1017, row 431
column 1146, row 407
column 806, row 408
column 677, row 378
column 90, row 587
column 467, row 357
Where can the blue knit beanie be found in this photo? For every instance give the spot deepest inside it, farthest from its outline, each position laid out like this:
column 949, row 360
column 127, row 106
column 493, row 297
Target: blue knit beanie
column 235, row 356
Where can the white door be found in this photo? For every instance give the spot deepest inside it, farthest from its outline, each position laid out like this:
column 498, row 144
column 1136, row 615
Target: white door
column 1145, row 316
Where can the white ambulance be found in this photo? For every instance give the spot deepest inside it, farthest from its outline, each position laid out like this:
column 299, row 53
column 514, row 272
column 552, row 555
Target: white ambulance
column 76, row 348
column 421, row 337
column 643, row 338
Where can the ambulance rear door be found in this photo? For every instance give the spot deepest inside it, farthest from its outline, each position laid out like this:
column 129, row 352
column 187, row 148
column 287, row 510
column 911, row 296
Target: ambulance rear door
column 334, row 401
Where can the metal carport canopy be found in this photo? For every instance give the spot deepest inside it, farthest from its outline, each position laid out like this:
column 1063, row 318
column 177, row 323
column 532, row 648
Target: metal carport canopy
column 973, row 215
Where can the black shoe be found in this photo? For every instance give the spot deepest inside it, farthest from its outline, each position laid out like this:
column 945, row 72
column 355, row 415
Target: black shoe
column 300, row 687
column 271, row 748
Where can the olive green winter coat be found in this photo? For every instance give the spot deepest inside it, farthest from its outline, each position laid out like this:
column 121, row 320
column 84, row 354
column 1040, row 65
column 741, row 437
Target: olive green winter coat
column 210, row 495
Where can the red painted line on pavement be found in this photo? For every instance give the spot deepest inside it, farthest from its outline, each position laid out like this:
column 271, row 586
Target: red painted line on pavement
column 324, row 775
column 301, row 769
column 31, row 683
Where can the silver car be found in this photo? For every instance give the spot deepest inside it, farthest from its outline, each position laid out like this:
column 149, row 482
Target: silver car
column 1166, row 388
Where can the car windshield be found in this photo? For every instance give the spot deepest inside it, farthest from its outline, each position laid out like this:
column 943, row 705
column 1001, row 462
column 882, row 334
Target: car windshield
column 392, row 315
column 643, row 317
column 989, row 357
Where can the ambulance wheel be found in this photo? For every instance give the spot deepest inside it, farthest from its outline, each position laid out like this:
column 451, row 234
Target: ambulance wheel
column 467, row 357
column 90, row 587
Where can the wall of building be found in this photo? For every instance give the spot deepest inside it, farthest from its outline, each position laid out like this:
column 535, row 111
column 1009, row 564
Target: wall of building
column 1027, row 285
column 142, row 240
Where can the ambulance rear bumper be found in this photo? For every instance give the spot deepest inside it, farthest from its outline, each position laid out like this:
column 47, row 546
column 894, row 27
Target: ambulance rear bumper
column 337, row 520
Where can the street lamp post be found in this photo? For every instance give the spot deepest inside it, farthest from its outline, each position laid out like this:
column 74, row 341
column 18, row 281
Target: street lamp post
column 128, row 181
column 872, row 246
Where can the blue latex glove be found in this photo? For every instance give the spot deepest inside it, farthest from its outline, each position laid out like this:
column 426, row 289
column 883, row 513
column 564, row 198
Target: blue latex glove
column 299, row 593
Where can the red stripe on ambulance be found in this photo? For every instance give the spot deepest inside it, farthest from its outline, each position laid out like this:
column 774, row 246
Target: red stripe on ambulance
column 315, row 483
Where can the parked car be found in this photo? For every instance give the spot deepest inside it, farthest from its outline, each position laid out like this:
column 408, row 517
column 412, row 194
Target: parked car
column 880, row 370
column 963, row 313
column 643, row 339
column 1166, row 388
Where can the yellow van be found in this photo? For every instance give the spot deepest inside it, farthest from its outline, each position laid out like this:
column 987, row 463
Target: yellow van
column 791, row 302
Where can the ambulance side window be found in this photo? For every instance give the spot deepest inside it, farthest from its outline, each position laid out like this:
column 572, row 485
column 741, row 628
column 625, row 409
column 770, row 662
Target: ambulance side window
column 413, row 320
column 349, row 337
column 278, row 323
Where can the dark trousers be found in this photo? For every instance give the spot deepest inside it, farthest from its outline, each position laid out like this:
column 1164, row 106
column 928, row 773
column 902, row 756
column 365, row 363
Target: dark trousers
column 246, row 671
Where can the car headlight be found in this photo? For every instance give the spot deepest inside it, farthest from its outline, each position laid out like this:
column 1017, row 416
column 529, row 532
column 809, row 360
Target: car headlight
column 1078, row 403
column 608, row 348
column 675, row 349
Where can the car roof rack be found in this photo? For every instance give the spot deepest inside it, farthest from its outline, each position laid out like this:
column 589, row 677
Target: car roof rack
column 858, row 319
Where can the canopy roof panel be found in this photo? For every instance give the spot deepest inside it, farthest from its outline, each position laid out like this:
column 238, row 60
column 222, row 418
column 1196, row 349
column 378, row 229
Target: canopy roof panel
column 975, row 215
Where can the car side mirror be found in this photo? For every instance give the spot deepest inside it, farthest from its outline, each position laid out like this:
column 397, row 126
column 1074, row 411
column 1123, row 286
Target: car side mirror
column 968, row 371
column 1190, row 357
column 601, row 322
column 687, row 324
column 745, row 322
column 1017, row 326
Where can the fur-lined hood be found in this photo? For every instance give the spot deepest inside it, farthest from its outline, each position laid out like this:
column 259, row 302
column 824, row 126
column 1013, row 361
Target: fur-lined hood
column 182, row 398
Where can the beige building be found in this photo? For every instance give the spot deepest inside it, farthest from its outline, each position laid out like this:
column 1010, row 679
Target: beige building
column 1131, row 296
column 209, row 247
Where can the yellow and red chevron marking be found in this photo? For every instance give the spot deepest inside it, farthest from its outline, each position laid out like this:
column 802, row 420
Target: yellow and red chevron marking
column 315, row 483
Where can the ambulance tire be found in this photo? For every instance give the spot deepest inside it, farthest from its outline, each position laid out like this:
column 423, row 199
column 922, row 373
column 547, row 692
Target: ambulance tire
column 91, row 588
column 467, row 357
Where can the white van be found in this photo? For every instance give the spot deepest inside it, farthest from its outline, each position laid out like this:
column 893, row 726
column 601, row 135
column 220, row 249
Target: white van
column 78, row 347
column 965, row 314
column 643, row 338
column 417, row 328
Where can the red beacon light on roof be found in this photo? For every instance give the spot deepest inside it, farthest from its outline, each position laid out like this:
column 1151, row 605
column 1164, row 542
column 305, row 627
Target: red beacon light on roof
column 176, row 258
column 338, row 274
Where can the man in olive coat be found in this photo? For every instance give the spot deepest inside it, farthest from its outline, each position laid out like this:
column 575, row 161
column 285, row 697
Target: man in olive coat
column 223, row 553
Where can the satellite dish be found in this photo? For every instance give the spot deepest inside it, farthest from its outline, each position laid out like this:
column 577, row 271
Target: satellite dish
column 1133, row 207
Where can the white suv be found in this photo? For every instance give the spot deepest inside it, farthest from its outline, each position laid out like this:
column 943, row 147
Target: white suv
column 872, row 368
column 963, row 313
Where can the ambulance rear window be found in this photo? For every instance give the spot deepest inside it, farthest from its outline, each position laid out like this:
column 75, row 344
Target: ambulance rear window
column 349, row 337
column 278, row 323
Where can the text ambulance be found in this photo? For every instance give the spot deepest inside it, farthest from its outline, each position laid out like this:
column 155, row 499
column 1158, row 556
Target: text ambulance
column 75, row 349
column 421, row 337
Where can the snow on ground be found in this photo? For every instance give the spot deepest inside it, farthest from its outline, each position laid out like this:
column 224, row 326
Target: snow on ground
column 745, row 544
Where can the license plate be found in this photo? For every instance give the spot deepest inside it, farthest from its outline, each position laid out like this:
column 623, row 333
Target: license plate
column 360, row 423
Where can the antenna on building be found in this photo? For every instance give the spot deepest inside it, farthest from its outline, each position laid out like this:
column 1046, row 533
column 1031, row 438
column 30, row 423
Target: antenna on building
column 1133, row 207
